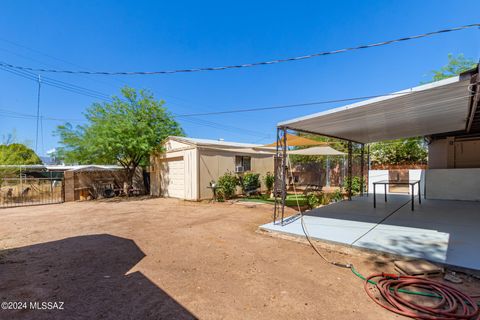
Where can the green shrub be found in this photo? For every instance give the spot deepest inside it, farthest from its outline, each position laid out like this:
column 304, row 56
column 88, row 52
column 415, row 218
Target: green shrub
column 227, row 185
column 251, row 181
column 220, row 195
column 337, row 195
column 313, row 200
column 325, row 199
column 355, row 185
column 269, row 180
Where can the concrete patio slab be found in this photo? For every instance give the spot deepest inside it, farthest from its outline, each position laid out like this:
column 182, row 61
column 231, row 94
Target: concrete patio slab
column 438, row 230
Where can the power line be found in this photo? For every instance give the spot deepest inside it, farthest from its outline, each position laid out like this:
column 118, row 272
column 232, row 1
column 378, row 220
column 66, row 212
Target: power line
column 59, row 84
column 90, row 77
column 246, row 65
column 49, row 56
column 19, row 115
column 304, row 104
column 210, row 124
column 70, row 87
column 99, row 95
column 226, row 127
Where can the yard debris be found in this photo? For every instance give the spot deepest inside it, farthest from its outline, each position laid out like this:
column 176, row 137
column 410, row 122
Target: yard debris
column 417, row 267
column 452, row 277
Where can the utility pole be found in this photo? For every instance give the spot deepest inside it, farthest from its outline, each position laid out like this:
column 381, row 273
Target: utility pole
column 38, row 112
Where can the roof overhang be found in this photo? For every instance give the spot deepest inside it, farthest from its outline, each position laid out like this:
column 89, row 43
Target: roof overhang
column 433, row 108
column 212, row 143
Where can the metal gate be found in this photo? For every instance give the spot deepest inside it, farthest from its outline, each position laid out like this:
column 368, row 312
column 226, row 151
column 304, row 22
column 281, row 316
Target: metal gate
column 24, row 191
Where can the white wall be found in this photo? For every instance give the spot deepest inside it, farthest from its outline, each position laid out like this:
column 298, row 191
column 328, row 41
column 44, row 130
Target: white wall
column 453, row 184
column 374, row 176
column 378, row 175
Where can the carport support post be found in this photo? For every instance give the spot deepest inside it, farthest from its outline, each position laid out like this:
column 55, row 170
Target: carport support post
column 369, row 167
column 284, row 170
column 362, row 165
column 275, row 176
column 349, row 171
column 327, row 173
column 280, row 176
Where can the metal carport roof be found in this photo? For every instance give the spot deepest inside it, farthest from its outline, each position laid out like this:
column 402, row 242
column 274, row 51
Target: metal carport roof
column 438, row 107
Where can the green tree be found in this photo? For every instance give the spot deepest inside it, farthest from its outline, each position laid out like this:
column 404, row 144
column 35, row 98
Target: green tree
column 15, row 154
column 455, row 66
column 125, row 131
column 18, row 154
column 402, row 151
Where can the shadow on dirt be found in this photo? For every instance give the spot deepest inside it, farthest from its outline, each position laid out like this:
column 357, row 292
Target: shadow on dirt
column 88, row 274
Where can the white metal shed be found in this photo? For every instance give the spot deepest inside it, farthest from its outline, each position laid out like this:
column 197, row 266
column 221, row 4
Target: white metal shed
column 187, row 165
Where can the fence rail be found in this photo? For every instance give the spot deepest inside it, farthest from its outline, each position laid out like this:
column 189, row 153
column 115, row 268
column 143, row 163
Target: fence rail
column 15, row 192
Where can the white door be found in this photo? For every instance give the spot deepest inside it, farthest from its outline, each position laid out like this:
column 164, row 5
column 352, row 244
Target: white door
column 173, row 179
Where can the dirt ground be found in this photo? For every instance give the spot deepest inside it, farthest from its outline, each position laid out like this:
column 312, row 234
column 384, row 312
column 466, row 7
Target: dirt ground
column 169, row 259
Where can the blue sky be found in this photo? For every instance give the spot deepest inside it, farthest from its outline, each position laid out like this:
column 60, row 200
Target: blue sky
column 158, row 35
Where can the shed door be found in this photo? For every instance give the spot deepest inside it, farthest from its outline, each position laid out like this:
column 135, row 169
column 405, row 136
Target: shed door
column 173, row 180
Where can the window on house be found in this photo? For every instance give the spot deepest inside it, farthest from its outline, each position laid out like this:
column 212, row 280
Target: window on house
column 244, row 162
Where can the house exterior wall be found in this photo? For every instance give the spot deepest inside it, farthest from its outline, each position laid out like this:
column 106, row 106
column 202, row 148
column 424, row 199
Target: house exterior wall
column 453, row 184
column 467, row 154
column 214, row 163
column 452, row 153
column 454, row 169
column 437, row 154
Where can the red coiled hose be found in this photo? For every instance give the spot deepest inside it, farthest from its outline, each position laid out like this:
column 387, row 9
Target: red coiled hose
column 452, row 303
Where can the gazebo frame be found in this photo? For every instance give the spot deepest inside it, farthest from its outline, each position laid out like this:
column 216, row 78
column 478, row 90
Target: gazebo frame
column 281, row 170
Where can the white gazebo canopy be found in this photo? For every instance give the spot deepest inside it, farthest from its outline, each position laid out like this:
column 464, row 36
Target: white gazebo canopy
column 438, row 107
column 317, row 151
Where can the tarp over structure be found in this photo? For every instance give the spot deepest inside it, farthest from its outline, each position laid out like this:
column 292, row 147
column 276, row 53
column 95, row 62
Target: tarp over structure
column 297, row 141
column 317, row 151
column 448, row 105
